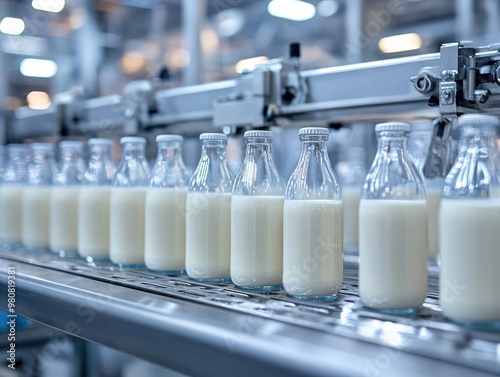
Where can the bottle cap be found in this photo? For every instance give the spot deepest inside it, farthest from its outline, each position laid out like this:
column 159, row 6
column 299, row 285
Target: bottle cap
column 161, row 138
column 133, row 139
column 71, row 144
column 16, row 148
column 213, row 136
column 478, row 120
column 100, row 141
column 314, row 131
column 393, row 126
column 42, row 147
column 252, row 133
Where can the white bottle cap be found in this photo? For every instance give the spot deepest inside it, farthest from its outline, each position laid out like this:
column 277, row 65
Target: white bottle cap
column 42, row 146
column 133, row 139
column 478, row 120
column 393, row 126
column 213, row 136
column 16, row 147
column 161, row 138
column 314, row 131
column 100, row 141
column 71, row 144
column 257, row 133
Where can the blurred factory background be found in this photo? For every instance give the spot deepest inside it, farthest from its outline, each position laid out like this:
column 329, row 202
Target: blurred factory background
column 95, row 47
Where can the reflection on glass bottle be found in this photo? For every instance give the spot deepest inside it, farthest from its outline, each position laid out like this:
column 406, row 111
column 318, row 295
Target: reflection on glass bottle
column 393, row 227
column 419, row 147
column 127, row 204
column 257, row 217
column 94, row 202
column 64, row 199
column 36, row 197
column 352, row 172
column 313, row 223
column 11, row 194
column 469, row 227
column 208, row 213
column 165, row 237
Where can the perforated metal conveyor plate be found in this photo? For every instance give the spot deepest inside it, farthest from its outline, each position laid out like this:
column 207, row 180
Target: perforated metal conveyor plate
column 424, row 333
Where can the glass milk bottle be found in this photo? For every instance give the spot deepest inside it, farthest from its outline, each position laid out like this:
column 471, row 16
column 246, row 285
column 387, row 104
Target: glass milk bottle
column 36, row 197
column 313, row 222
column 393, row 227
column 94, row 201
column 11, row 196
column 127, row 205
column 352, row 173
column 257, row 217
column 419, row 142
column 470, row 227
column 165, row 237
column 208, row 213
column 64, row 199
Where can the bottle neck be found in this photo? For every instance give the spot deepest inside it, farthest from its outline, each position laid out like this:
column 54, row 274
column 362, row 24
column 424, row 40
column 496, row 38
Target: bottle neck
column 169, row 151
column 213, row 149
column 258, row 150
column 100, row 153
column 133, row 151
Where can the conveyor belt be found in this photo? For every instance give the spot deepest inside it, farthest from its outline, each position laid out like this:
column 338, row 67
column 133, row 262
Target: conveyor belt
column 424, row 333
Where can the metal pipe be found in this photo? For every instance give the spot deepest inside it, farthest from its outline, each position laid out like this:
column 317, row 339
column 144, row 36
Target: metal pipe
column 464, row 22
column 355, row 41
column 193, row 17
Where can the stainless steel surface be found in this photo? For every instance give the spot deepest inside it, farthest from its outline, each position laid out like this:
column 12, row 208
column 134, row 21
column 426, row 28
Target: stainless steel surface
column 219, row 330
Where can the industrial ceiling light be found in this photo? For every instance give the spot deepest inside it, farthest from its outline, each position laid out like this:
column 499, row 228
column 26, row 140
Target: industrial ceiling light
column 38, row 100
column 53, row 6
column 38, row 68
column 400, row 43
column 12, row 26
column 294, row 10
column 249, row 64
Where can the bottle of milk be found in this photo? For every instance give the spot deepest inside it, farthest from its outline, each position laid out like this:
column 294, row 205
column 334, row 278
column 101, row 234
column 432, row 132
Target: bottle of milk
column 11, row 194
column 257, row 217
column 93, row 202
column 393, row 227
column 313, row 223
column 165, row 237
column 208, row 213
column 64, row 199
column 469, row 226
column 127, row 205
column 36, row 197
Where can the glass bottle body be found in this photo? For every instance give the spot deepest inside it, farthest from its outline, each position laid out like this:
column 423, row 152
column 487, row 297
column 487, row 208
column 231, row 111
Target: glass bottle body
column 208, row 211
column 257, row 218
column 165, row 237
column 352, row 172
column 127, row 205
column 469, row 236
column 94, row 202
column 313, row 223
column 11, row 194
column 393, row 227
column 36, row 197
column 64, row 199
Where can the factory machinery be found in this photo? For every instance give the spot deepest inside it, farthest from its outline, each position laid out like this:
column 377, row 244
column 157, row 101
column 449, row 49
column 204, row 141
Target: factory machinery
column 216, row 329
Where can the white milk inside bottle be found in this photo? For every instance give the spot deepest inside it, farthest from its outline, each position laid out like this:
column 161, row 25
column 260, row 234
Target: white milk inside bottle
column 393, row 253
column 166, row 229
column 36, row 216
column 126, row 247
column 93, row 221
column 256, row 240
column 11, row 197
column 312, row 239
column 64, row 219
column 208, row 224
column 470, row 259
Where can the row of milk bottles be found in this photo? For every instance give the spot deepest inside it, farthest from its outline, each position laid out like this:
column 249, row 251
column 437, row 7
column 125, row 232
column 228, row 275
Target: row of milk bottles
column 259, row 232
